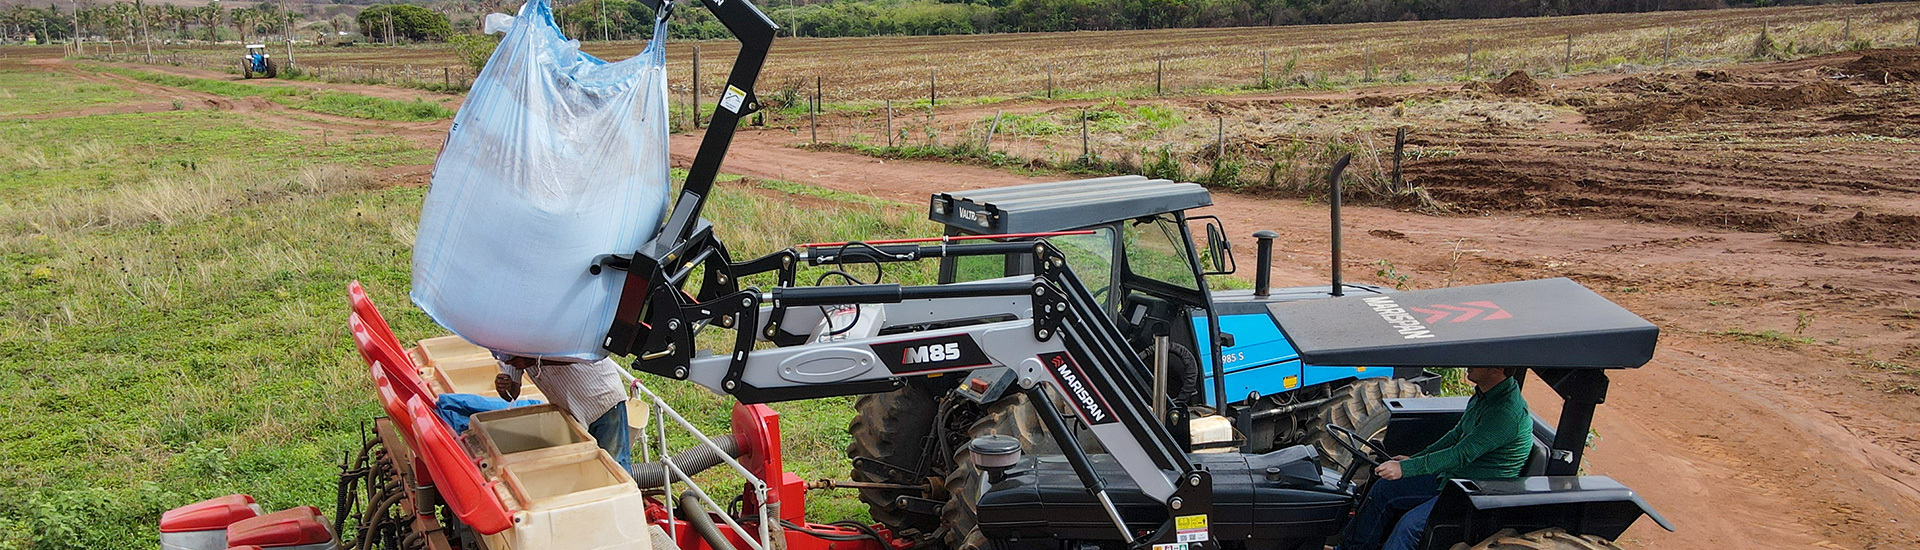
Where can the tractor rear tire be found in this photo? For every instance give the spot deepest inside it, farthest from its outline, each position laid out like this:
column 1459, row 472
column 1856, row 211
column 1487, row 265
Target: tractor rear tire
column 1361, row 407
column 1553, row 538
column 892, row 428
column 246, row 70
column 273, row 71
column 1012, row 416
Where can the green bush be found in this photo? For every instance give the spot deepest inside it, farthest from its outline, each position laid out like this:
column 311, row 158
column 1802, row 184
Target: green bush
column 474, row 49
column 409, row 22
column 1165, row 165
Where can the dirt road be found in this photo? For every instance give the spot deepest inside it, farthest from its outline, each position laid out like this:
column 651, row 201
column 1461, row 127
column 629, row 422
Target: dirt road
column 1780, row 411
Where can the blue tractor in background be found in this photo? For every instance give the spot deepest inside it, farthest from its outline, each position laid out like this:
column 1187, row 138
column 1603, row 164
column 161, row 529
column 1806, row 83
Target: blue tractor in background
column 258, row 62
column 1132, row 244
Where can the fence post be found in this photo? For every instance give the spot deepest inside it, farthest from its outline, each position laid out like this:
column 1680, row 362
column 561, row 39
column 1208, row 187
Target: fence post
column 889, row 123
column 1846, row 33
column 1469, row 70
column 446, row 77
column 1159, row 67
column 813, row 116
column 696, row 86
column 1399, row 149
column 987, row 146
column 1263, row 69
column 1566, row 66
column 1086, row 154
column 1368, row 75
column 1049, row 81
column 1666, row 54
column 933, row 93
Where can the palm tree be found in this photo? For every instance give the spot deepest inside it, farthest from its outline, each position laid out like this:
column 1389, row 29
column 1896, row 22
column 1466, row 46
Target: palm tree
column 176, row 17
column 240, row 18
column 210, row 16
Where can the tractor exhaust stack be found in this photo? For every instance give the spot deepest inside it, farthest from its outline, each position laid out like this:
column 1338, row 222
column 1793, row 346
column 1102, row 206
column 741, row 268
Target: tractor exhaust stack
column 1333, row 185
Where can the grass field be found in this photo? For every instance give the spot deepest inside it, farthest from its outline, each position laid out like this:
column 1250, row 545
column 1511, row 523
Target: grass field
column 1199, row 60
column 172, row 305
column 336, row 103
column 32, row 93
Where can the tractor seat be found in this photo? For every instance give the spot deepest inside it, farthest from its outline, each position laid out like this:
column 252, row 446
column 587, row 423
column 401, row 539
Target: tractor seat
column 1536, row 461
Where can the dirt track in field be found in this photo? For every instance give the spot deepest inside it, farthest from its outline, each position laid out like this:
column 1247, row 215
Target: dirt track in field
column 1776, row 253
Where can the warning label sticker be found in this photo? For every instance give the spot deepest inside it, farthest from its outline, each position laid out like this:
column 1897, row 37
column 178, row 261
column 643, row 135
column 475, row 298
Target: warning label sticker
column 1191, row 528
column 1172, row 546
column 732, row 99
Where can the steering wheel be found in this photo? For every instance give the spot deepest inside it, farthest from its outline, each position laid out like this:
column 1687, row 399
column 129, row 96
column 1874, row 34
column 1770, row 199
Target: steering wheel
column 1362, row 451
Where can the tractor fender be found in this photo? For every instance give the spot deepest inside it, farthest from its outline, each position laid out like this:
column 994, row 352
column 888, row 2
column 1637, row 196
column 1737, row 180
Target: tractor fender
column 1471, row 510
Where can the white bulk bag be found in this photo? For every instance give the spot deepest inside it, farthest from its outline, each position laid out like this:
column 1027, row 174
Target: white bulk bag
column 556, row 158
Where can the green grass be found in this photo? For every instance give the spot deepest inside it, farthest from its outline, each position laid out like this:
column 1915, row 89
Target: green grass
column 41, row 159
column 1769, row 338
column 32, row 93
column 336, row 103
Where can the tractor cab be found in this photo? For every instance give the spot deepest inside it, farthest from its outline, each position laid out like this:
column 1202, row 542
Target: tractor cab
column 1137, row 254
column 258, row 62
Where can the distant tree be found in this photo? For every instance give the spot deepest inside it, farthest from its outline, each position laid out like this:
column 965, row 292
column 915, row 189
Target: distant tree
column 408, row 22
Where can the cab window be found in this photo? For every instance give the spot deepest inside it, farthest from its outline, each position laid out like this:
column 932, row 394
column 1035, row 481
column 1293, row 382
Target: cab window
column 1156, row 249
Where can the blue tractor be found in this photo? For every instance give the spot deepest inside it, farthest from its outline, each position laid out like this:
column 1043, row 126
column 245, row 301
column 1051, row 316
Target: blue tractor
column 258, row 62
column 1132, row 242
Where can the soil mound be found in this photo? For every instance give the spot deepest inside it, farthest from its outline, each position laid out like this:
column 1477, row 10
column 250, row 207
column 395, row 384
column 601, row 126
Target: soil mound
column 1886, row 66
column 1637, row 85
column 1861, row 228
column 1517, row 84
column 1797, row 97
column 1695, row 101
column 1633, row 115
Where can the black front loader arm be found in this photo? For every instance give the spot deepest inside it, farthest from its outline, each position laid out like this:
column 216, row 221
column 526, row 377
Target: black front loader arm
column 656, row 317
column 650, row 269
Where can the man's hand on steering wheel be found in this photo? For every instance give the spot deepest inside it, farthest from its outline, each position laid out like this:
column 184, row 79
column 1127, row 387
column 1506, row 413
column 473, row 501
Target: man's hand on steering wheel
column 1361, row 450
column 1390, row 470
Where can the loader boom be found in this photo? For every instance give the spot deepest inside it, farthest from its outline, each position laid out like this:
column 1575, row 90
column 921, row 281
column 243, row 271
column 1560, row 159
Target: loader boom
column 1060, row 340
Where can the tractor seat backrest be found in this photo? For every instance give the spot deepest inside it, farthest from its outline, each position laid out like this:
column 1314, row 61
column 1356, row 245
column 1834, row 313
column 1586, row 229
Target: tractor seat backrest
column 1536, row 460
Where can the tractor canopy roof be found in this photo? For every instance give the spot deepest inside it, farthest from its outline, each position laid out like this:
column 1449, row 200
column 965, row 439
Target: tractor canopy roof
column 1063, row 205
column 256, row 46
column 1541, row 324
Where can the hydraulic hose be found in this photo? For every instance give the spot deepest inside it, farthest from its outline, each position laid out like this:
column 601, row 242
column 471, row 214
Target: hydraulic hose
column 697, row 517
column 692, row 461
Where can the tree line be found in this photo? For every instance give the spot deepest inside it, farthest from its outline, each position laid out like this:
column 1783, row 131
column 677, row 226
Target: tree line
column 631, row 19
column 833, row 18
column 140, row 21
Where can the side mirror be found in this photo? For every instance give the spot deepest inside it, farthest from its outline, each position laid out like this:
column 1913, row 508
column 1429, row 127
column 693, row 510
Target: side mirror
column 1219, row 252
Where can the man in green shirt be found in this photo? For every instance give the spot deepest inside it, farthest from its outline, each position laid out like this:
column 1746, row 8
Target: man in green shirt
column 1492, row 441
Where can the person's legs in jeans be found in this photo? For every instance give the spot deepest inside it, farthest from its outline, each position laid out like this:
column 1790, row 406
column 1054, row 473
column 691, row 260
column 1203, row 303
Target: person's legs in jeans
column 1370, row 526
column 610, row 432
column 1407, row 532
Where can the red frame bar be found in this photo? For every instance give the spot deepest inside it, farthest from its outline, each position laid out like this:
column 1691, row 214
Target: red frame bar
column 952, row 238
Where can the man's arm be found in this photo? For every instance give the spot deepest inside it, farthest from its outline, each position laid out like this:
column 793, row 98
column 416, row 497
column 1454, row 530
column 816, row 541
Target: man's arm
column 507, row 383
column 1471, row 444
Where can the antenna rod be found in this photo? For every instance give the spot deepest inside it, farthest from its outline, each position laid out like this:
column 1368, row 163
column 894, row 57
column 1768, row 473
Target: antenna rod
column 1333, row 184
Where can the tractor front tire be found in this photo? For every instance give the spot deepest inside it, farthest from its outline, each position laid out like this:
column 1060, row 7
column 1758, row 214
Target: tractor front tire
column 1545, row 539
column 1011, row 416
column 1361, row 407
column 892, row 428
